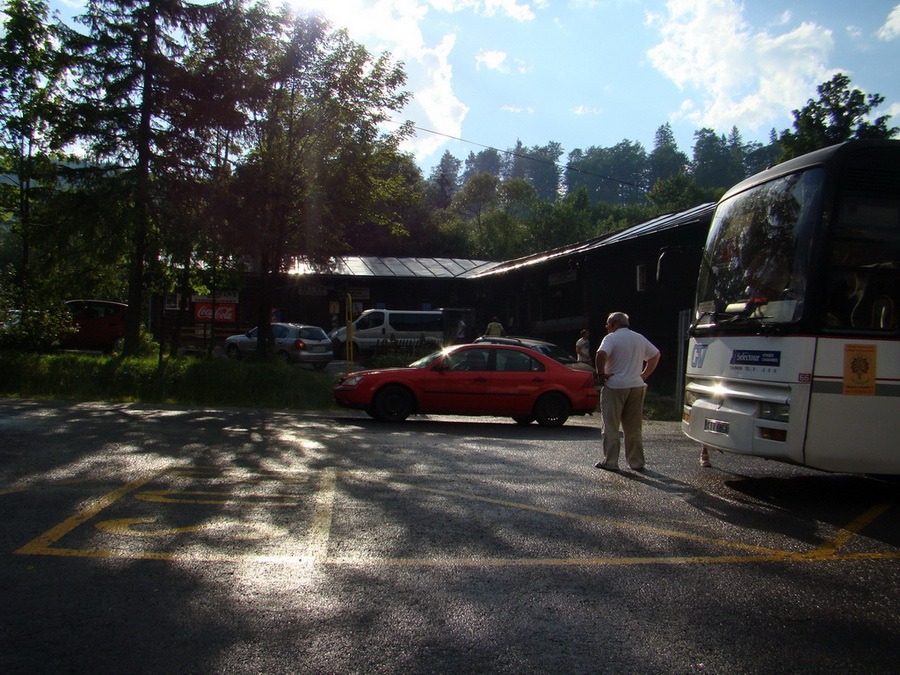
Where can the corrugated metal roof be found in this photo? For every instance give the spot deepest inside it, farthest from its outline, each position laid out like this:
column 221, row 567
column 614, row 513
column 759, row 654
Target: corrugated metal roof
column 462, row 268
column 660, row 224
column 414, row 268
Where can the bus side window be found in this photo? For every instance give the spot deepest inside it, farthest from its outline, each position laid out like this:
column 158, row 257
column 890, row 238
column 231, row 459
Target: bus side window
column 878, row 307
column 864, row 298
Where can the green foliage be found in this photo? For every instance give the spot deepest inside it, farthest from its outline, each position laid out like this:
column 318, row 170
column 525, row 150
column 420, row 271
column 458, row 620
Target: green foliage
column 33, row 330
column 199, row 382
column 616, row 175
column 840, row 114
column 444, row 181
column 680, row 192
column 235, row 130
column 394, row 355
column 661, row 407
column 147, row 346
column 29, row 321
column 184, row 381
column 718, row 161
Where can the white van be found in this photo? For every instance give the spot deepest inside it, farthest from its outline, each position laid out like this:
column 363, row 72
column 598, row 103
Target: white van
column 376, row 326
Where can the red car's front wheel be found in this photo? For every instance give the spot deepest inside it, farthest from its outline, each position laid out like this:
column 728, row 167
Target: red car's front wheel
column 392, row 404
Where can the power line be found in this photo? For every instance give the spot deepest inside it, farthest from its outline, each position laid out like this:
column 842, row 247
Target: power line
column 565, row 167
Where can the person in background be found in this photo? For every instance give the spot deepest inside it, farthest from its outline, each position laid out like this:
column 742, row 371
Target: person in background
column 494, row 329
column 583, row 347
column 624, row 361
column 461, row 332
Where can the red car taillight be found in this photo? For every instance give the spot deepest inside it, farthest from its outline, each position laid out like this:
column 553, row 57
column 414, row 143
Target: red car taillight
column 300, row 344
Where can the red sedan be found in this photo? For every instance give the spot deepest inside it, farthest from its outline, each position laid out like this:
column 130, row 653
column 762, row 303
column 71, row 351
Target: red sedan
column 474, row 379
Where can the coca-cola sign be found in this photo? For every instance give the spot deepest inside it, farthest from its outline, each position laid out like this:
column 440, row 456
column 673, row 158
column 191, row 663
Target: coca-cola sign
column 203, row 311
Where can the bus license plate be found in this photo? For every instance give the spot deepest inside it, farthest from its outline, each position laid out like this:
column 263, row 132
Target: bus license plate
column 715, row 426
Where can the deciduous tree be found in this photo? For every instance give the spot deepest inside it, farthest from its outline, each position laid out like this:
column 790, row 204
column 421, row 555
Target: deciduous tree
column 840, row 114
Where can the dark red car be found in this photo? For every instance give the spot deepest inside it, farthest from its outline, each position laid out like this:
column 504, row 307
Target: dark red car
column 474, row 379
column 99, row 323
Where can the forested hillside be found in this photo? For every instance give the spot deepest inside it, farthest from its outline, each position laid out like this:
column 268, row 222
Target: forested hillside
column 155, row 146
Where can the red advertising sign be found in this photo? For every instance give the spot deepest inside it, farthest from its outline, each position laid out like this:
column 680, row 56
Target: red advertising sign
column 224, row 312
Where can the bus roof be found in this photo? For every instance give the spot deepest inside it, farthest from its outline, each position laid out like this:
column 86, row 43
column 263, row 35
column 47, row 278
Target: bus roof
column 815, row 158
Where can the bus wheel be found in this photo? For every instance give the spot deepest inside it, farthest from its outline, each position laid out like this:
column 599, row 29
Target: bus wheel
column 552, row 410
column 392, row 404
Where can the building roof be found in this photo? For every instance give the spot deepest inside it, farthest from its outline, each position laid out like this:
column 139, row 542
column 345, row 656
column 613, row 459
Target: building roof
column 387, row 267
column 461, row 268
column 662, row 223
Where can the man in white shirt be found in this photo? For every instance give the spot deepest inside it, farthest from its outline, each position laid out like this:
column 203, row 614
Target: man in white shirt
column 624, row 361
column 583, row 347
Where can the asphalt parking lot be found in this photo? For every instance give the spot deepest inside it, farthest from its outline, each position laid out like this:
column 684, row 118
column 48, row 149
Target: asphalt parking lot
column 141, row 539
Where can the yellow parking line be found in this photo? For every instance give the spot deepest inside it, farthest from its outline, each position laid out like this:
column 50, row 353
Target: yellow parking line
column 41, row 544
column 320, row 531
column 211, row 497
column 593, row 519
column 317, row 541
column 845, row 534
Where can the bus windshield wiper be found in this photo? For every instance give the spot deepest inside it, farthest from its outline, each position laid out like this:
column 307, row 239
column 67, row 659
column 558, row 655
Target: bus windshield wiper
column 744, row 309
column 705, row 313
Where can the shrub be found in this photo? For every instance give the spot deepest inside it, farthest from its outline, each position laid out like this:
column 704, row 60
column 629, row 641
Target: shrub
column 184, row 381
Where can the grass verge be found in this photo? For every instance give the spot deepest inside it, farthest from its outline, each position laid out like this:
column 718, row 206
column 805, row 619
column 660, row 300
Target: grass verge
column 182, row 381
column 190, row 381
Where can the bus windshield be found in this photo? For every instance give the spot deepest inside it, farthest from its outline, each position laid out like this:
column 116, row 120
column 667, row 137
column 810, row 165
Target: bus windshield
column 755, row 265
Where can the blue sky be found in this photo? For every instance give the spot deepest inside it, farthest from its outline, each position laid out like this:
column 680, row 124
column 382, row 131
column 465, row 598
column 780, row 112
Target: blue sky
column 594, row 72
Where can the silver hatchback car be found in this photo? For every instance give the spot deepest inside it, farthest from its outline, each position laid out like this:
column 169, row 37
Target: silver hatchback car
column 295, row 343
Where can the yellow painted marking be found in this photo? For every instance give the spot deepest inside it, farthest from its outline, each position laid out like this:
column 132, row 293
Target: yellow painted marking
column 228, row 476
column 242, row 530
column 125, row 527
column 195, row 497
column 362, row 561
column 41, row 544
column 594, row 519
column 322, row 518
column 845, row 534
column 320, row 530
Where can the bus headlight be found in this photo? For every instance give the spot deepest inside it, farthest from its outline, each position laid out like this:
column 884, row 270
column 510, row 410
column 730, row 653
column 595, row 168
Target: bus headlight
column 777, row 412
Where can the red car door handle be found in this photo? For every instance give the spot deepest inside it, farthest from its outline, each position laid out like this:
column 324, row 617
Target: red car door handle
column 538, row 379
column 481, row 379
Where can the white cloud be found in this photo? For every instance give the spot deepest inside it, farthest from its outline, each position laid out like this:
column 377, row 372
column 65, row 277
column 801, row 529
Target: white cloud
column 587, row 110
column 492, row 60
column 891, row 27
column 435, row 103
column 395, row 26
column 520, row 11
column 517, row 109
column 738, row 76
column 784, row 19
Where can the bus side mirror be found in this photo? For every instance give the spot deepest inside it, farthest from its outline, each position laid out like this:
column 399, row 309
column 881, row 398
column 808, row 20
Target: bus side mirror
column 670, row 265
column 660, row 266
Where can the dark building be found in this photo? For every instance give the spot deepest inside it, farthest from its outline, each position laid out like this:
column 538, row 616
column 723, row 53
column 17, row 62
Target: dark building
column 648, row 271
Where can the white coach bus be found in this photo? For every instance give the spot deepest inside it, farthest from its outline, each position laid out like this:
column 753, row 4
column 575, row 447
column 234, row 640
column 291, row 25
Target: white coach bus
column 794, row 350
